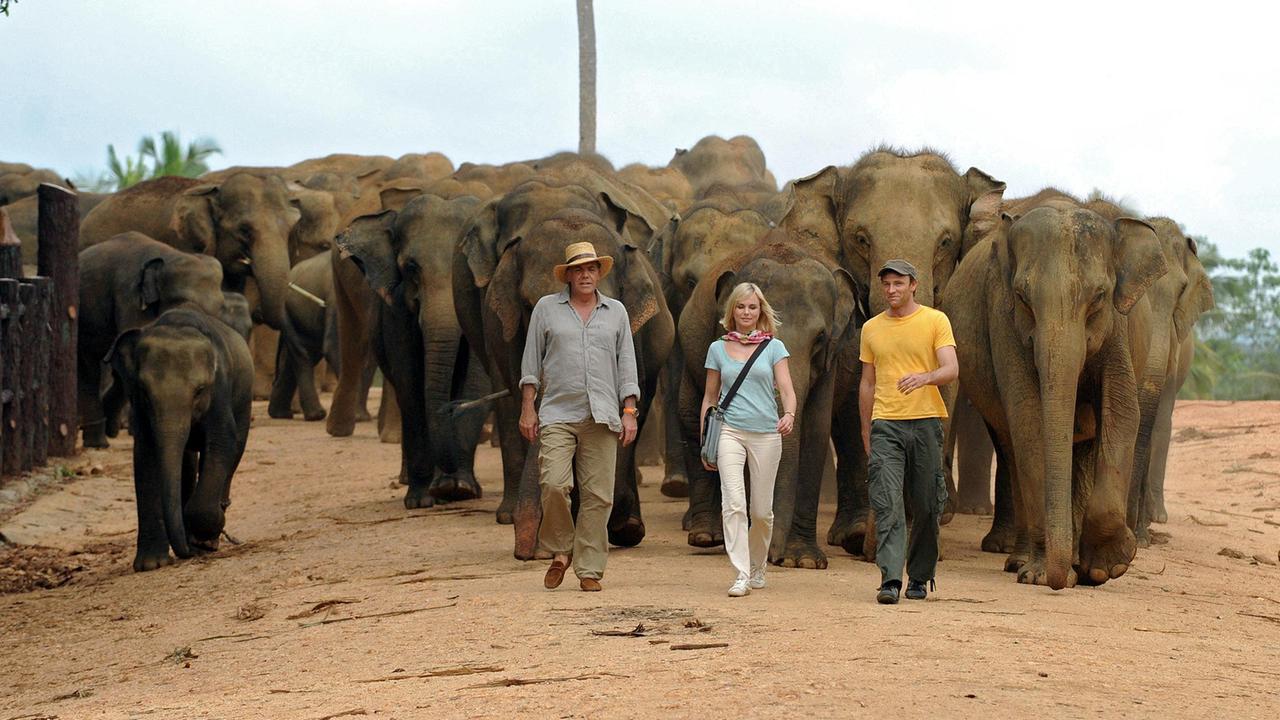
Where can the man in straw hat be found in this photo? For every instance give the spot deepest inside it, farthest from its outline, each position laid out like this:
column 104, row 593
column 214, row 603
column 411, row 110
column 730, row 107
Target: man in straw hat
column 580, row 354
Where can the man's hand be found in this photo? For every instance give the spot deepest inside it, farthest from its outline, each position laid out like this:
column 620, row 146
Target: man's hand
column 914, row 381
column 629, row 429
column 529, row 422
column 866, row 440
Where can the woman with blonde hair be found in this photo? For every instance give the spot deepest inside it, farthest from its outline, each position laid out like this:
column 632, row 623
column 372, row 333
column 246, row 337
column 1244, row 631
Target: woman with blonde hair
column 752, row 432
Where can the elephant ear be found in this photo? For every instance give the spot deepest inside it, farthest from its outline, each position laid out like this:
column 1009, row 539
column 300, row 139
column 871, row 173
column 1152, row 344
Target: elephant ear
column 817, row 189
column 1003, row 250
column 503, row 297
column 725, row 282
column 397, row 193
column 1196, row 298
column 149, row 284
column 985, row 196
column 1138, row 259
column 369, row 241
column 479, row 243
column 121, row 358
column 641, row 296
column 847, row 313
column 194, row 218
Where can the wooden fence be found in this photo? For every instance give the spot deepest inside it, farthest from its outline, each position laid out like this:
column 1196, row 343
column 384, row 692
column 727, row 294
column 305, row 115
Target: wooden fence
column 38, row 413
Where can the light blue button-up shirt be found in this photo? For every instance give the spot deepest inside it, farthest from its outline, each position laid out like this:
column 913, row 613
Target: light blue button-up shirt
column 585, row 370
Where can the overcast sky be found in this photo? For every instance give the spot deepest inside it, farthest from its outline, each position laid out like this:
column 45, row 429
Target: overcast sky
column 1176, row 112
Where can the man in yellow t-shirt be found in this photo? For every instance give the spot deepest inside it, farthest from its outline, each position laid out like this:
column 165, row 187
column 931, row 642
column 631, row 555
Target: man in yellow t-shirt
column 907, row 352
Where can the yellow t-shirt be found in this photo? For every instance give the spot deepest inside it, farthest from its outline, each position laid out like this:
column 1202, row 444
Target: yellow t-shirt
column 901, row 346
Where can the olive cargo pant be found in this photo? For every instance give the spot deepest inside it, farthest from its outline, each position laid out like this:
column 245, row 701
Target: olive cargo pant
column 591, row 449
column 906, row 454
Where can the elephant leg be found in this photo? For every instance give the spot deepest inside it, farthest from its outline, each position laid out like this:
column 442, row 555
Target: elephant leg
column 705, row 525
column 528, row 511
column 308, row 393
column 1160, row 437
column 204, row 514
column 113, row 403
column 801, row 549
column 353, row 345
column 285, row 383
column 513, row 447
column 398, row 348
column 675, row 480
column 1003, row 535
column 455, row 435
column 389, row 413
column 849, row 529
column 368, row 367
column 153, row 541
column 92, row 418
column 626, row 526
column 974, row 453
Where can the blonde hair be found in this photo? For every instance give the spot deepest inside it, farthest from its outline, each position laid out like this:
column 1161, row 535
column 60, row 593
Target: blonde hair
column 768, row 321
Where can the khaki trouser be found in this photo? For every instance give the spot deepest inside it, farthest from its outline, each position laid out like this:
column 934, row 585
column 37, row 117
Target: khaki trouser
column 747, row 549
column 591, row 449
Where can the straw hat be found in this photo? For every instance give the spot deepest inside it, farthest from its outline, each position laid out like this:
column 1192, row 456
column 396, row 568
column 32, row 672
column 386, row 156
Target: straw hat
column 582, row 253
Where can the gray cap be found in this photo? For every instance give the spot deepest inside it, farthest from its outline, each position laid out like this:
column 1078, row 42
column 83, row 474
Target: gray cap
column 902, row 267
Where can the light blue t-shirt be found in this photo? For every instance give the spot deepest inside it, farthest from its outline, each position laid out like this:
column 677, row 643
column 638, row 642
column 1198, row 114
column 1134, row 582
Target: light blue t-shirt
column 754, row 407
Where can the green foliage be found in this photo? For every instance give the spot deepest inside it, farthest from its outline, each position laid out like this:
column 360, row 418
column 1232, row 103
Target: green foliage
column 154, row 159
column 1238, row 353
column 4, row 6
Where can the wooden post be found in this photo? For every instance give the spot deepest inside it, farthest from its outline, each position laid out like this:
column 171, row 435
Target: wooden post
column 10, row 249
column 10, row 462
column 6, row 354
column 59, row 260
column 38, row 334
column 26, row 376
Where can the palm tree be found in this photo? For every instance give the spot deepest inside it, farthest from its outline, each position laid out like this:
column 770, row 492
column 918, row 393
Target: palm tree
column 170, row 159
column 586, row 77
column 122, row 175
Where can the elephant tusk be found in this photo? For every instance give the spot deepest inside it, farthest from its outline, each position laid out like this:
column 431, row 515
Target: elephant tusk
column 479, row 401
column 245, row 261
column 303, row 292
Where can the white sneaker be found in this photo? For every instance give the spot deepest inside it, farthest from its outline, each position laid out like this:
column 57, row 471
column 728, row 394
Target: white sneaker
column 740, row 587
column 757, row 578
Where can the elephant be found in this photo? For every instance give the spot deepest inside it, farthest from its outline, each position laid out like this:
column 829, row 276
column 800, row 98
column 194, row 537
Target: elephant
column 24, row 217
column 189, row 380
column 504, row 219
column 303, row 339
column 419, row 343
column 236, row 314
column 501, row 268
column 667, row 185
column 735, row 162
column 424, row 167
column 1177, row 300
column 499, row 179
column 816, row 302
column 243, row 221
column 708, row 232
column 1051, row 329
column 19, row 180
column 888, row 204
column 125, row 283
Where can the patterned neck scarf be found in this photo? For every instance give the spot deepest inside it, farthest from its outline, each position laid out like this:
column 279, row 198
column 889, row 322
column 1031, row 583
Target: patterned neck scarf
column 755, row 338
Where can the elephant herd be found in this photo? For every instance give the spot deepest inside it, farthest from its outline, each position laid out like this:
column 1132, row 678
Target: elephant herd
column 1073, row 322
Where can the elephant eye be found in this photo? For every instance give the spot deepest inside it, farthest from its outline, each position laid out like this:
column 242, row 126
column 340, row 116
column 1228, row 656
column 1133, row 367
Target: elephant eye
column 1022, row 298
column 1098, row 302
column 862, row 238
column 411, row 267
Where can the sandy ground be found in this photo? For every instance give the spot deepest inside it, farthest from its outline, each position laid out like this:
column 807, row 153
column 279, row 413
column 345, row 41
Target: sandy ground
column 339, row 603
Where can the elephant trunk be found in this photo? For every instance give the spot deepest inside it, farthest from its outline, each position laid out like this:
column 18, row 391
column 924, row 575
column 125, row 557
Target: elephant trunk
column 789, row 466
column 171, row 433
column 440, row 347
column 271, row 274
column 1059, row 364
column 1150, row 387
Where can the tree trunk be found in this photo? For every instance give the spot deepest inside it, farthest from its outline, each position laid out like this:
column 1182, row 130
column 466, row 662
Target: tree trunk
column 58, row 259
column 586, row 77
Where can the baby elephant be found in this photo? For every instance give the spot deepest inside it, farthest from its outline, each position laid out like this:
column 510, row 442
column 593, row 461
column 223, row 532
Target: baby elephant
column 189, row 378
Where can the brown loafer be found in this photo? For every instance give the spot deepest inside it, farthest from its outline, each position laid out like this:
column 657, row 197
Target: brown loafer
column 590, row 585
column 555, row 575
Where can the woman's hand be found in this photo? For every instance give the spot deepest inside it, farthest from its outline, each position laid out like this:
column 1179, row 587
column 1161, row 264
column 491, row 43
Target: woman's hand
column 709, row 467
column 786, row 424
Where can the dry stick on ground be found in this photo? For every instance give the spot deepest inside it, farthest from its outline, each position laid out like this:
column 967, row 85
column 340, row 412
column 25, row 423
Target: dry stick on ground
column 1198, row 521
column 1246, row 517
column 322, row 606
column 378, row 615
column 513, row 682
column 434, row 578
column 447, row 672
column 964, row 600
column 346, row 713
column 638, row 631
column 1269, row 618
column 699, row 646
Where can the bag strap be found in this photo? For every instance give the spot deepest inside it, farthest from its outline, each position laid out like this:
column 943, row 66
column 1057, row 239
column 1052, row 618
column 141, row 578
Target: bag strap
column 724, row 405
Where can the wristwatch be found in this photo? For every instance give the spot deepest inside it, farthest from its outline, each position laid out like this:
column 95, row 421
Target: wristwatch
column 632, row 411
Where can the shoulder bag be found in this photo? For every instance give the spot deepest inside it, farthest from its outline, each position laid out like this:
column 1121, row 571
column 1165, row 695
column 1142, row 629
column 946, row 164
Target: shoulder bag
column 713, row 421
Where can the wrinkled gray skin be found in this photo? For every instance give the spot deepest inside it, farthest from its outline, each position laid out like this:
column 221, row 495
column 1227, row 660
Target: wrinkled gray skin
column 1050, row 322
column 499, row 277
column 244, row 222
column 887, row 205
column 236, row 314
column 736, row 162
column 815, row 302
column 303, row 340
column 125, row 283
column 189, row 379
column 406, row 258
column 709, row 232
column 24, row 216
column 22, row 180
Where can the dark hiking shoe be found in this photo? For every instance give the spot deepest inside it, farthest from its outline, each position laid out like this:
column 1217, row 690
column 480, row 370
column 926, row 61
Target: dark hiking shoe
column 916, row 590
column 888, row 594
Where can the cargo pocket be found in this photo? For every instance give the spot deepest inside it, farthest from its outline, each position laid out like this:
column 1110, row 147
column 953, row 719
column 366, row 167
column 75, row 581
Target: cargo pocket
column 940, row 483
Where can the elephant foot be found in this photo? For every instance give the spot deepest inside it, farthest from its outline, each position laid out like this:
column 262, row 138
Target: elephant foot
column 983, row 508
column 390, row 435
column 202, row 546
column 454, row 487
column 1000, row 539
column 314, row 415
column 506, row 510
column 527, row 517
column 339, row 427
column 1034, row 572
column 1159, row 537
column 849, row 531
column 686, row 521
column 279, row 411
column 112, row 427
column 627, row 534
column 1106, row 556
column 1015, row 561
column 362, row 415
column 802, row 554
column 1159, row 514
column 417, row 496
column 675, row 485
column 705, row 530
column 144, row 561
column 94, row 437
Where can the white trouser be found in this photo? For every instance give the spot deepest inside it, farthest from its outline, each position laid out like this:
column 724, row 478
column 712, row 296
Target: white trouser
column 760, row 452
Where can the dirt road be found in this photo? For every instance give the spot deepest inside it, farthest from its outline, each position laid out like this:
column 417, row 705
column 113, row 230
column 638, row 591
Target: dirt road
column 339, row 603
